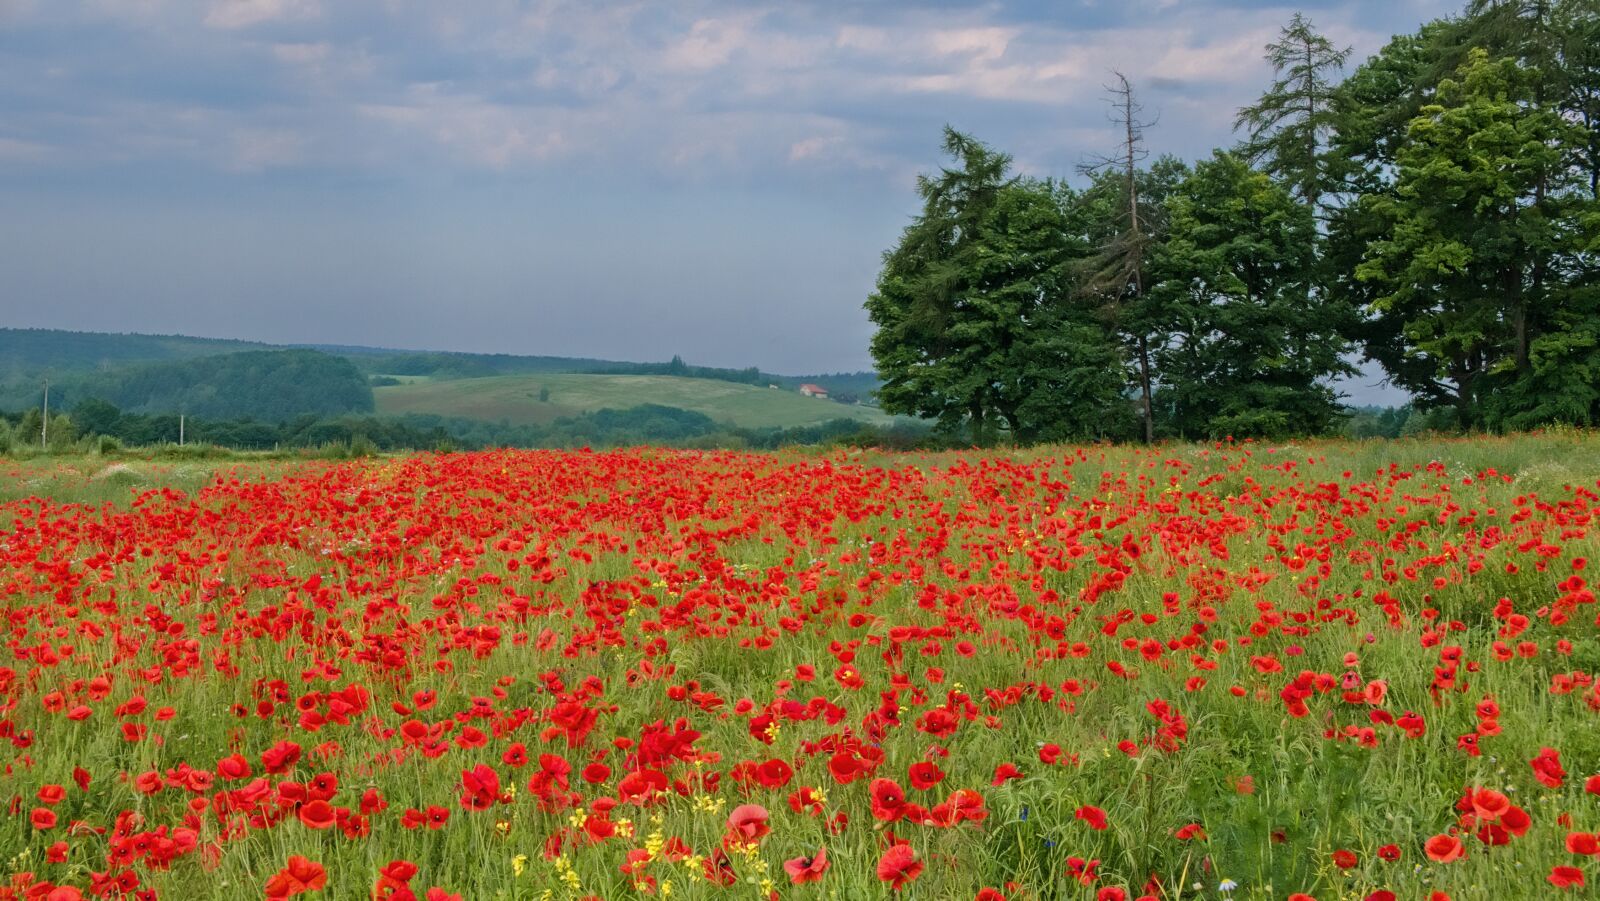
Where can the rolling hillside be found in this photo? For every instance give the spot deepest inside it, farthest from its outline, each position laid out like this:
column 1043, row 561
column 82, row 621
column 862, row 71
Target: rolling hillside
column 516, row 399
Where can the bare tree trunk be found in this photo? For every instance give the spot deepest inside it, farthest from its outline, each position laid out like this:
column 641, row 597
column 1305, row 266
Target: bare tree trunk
column 1144, row 385
column 1309, row 189
column 1121, row 276
column 1130, row 160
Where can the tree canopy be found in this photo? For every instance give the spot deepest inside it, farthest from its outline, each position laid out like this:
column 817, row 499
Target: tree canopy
column 1436, row 211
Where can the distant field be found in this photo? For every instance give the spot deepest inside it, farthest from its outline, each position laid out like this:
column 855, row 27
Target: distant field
column 516, row 398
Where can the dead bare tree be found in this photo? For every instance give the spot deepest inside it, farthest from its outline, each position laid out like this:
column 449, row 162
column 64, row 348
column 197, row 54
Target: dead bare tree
column 1115, row 273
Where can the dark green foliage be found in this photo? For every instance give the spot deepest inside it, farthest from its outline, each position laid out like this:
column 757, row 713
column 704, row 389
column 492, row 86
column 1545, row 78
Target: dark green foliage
column 863, row 385
column 978, row 327
column 1289, row 126
column 676, row 366
column 442, row 365
column 34, row 350
column 644, row 424
column 1468, row 227
column 1246, row 348
column 1480, row 267
column 266, row 385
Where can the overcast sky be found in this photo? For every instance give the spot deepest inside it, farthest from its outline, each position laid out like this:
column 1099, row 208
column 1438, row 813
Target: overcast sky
column 620, row 180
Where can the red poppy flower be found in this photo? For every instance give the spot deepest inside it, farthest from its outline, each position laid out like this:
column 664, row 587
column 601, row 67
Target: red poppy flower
column 1444, row 848
column 774, row 774
column 1004, row 773
column 515, row 756
column 1344, row 859
column 233, row 768
column 1566, row 877
column 806, row 800
column 1547, row 768
column 1094, row 816
column 297, row 878
column 1516, row 821
column 719, row 869
column 802, row 870
column 317, row 815
column 899, row 866
column 480, row 787
column 747, row 823
column 925, row 775
column 1489, row 804
column 888, row 800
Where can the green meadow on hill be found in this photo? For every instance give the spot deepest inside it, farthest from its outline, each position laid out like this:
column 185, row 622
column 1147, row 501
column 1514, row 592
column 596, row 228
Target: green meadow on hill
column 516, row 398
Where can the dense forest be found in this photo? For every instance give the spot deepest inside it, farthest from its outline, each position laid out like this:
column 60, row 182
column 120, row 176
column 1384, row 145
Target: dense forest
column 268, row 385
column 31, row 351
column 1434, row 210
column 97, row 426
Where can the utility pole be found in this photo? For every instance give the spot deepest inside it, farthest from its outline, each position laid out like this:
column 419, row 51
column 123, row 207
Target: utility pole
column 180, row 430
column 44, row 424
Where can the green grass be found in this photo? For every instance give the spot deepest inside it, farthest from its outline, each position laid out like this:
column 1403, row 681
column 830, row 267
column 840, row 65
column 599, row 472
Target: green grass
column 982, row 513
column 516, row 399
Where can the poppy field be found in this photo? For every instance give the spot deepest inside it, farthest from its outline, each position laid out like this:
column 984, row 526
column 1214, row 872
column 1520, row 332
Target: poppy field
column 1224, row 671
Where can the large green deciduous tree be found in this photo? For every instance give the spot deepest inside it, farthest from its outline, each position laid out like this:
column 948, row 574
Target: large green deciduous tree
column 977, row 326
column 1248, row 348
column 1480, row 240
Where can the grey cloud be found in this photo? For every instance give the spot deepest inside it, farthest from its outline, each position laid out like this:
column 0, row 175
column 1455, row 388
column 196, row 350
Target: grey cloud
column 736, row 169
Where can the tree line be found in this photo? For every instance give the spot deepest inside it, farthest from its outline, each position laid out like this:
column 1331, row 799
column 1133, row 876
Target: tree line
column 269, row 385
column 1435, row 211
column 94, row 425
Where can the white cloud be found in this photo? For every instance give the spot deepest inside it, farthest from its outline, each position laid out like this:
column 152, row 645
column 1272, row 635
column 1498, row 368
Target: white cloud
column 230, row 14
column 813, row 147
column 1236, row 57
column 982, row 44
column 709, row 44
column 687, row 88
column 127, row 10
column 474, row 129
column 302, row 54
column 13, row 150
column 11, row 10
column 255, row 149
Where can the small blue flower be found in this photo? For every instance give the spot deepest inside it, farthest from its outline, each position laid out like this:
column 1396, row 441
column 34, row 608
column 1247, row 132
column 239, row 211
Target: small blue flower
column 1049, row 844
column 1024, row 813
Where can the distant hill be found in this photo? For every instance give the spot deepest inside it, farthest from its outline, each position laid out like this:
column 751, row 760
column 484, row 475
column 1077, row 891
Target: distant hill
column 267, row 385
column 264, row 385
column 516, row 399
column 29, row 352
column 136, row 373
